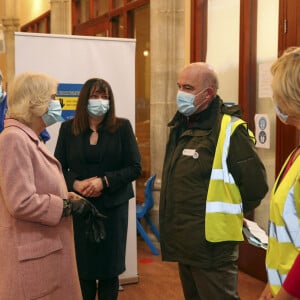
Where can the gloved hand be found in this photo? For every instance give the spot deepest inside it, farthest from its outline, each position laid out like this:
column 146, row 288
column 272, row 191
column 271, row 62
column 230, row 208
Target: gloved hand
column 95, row 230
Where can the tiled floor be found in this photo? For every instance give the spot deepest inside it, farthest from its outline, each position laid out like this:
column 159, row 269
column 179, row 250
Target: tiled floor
column 160, row 281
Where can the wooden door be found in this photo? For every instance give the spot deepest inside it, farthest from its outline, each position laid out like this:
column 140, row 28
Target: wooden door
column 287, row 137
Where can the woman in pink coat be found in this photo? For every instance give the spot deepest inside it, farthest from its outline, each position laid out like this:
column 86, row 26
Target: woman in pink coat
column 37, row 257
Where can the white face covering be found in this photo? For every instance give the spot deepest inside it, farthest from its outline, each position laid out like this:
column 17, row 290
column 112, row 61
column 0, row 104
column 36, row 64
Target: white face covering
column 53, row 114
column 97, row 107
column 185, row 102
column 282, row 117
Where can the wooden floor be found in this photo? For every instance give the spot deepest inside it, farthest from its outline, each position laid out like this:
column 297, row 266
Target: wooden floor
column 160, row 281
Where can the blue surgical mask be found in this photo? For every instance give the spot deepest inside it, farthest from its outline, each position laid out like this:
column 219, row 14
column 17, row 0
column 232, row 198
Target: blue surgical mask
column 282, row 117
column 1, row 93
column 97, row 107
column 53, row 114
column 185, row 102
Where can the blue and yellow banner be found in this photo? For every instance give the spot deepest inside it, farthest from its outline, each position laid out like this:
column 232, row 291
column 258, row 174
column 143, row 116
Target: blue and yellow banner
column 67, row 94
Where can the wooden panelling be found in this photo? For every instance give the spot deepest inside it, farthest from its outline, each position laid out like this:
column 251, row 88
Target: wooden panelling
column 198, row 30
column 248, row 60
column 252, row 261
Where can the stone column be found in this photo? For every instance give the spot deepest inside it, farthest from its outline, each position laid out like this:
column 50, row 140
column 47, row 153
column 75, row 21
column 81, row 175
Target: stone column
column 167, row 57
column 11, row 22
column 10, row 25
column 61, row 20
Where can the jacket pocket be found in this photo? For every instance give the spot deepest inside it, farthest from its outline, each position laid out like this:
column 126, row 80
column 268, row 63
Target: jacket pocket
column 40, row 264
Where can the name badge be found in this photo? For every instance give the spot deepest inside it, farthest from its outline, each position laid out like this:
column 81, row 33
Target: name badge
column 190, row 152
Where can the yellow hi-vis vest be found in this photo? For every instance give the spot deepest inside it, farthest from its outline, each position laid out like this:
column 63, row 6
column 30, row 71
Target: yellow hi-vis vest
column 224, row 209
column 284, row 226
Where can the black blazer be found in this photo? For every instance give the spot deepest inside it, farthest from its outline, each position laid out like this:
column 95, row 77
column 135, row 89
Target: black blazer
column 119, row 160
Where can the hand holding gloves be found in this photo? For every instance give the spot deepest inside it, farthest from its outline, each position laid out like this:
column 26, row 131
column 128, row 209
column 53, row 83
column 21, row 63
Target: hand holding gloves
column 95, row 230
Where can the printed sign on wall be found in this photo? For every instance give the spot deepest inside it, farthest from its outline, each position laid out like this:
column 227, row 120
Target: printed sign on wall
column 262, row 131
column 67, row 94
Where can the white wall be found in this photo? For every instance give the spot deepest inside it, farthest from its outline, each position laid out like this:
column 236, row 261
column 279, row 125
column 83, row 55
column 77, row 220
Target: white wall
column 223, row 45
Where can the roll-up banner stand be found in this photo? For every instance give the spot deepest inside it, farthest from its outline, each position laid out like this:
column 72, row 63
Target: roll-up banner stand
column 72, row 60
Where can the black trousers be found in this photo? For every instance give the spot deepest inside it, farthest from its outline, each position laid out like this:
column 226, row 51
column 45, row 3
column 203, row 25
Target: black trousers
column 213, row 284
column 107, row 289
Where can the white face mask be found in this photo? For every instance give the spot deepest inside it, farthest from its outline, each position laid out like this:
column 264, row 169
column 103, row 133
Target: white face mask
column 53, row 114
column 97, row 107
column 185, row 102
column 282, row 117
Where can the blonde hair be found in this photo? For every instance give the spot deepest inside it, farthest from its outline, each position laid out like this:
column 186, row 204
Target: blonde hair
column 286, row 81
column 29, row 96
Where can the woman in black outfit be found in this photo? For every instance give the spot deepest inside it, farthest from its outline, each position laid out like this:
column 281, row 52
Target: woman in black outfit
column 100, row 159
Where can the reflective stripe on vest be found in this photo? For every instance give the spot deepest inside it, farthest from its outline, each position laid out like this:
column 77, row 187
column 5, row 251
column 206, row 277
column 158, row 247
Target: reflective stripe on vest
column 279, row 233
column 275, row 278
column 284, row 229
column 291, row 218
column 224, row 203
column 219, row 175
column 290, row 232
column 222, row 207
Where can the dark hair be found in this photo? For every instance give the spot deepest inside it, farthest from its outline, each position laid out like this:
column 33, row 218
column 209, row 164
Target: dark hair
column 81, row 118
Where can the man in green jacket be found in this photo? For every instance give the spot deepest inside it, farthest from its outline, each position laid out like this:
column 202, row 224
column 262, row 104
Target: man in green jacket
column 212, row 177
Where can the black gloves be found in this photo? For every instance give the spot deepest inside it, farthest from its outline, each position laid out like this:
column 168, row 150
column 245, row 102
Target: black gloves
column 93, row 219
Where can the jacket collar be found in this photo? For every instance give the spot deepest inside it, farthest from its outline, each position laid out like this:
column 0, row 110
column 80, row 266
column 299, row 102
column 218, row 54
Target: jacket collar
column 33, row 136
column 15, row 123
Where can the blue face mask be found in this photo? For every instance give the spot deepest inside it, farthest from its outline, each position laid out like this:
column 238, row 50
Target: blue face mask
column 1, row 93
column 54, row 113
column 282, row 117
column 185, row 102
column 97, row 107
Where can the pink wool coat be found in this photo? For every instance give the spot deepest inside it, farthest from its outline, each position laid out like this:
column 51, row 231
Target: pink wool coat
column 37, row 256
